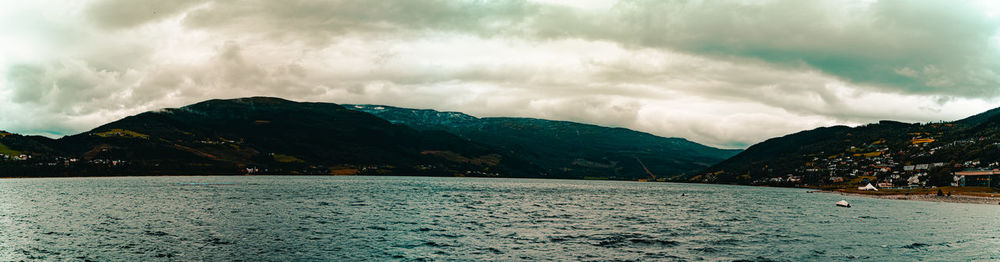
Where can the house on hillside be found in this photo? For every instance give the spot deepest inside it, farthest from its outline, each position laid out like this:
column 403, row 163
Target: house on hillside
column 915, row 180
column 978, row 177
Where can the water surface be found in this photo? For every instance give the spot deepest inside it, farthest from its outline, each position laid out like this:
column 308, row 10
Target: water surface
column 415, row 218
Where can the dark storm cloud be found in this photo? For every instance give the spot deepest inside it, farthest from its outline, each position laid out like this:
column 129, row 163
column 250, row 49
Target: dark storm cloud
column 726, row 73
column 935, row 47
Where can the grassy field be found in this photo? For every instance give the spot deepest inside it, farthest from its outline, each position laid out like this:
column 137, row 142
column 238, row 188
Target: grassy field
column 287, row 159
column 122, row 133
column 7, row 151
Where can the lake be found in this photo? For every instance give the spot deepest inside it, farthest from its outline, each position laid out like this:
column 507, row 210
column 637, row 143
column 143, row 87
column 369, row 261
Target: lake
column 421, row 218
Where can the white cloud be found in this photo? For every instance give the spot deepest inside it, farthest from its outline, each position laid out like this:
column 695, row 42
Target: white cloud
column 582, row 4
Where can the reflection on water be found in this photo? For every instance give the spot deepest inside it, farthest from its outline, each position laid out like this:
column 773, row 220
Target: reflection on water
column 410, row 218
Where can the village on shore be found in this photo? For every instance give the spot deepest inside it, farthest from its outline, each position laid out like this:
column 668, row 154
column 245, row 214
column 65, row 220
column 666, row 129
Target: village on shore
column 873, row 169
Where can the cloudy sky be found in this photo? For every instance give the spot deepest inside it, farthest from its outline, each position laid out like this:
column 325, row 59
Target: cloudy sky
column 722, row 73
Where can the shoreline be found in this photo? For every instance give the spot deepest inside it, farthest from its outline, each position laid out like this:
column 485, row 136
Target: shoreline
column 964, row 199
column 956, row 198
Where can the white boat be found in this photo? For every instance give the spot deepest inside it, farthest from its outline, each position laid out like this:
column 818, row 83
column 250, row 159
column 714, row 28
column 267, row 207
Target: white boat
column 843, row 203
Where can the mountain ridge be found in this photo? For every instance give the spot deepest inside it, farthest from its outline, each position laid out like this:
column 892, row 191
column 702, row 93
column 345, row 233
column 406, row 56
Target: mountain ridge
column 274, row 135
column 260, row 134
column 566, row 146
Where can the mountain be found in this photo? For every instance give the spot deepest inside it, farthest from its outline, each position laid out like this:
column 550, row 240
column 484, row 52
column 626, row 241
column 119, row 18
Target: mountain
column 259, row 134
column 889, row 152
column 15, row 145
column 979, row 118
column 567, row 149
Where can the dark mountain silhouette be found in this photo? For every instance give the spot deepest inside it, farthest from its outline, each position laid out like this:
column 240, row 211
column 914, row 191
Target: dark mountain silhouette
column 265, row 135
column 979, row 118
column 567, row 149
column 277, row 136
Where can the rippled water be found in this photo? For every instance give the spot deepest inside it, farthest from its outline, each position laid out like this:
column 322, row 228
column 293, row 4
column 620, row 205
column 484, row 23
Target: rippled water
column 413, row 218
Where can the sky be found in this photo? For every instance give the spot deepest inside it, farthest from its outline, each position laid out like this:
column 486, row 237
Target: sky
column 722, row 73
